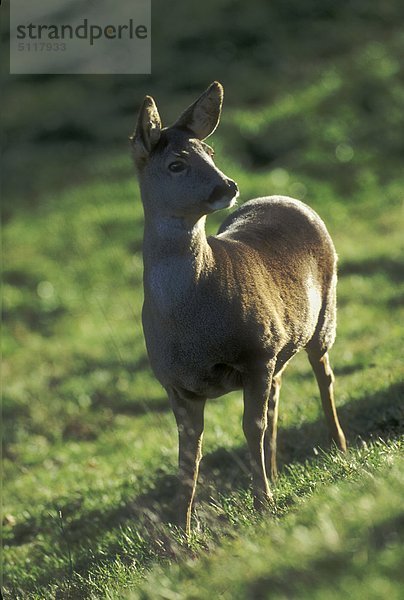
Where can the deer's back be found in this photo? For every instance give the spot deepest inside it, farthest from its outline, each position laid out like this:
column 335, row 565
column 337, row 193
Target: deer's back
column 283, row 241
column 283, row 230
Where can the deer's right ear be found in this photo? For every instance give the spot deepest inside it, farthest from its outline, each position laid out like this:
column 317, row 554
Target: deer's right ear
column 147, row 132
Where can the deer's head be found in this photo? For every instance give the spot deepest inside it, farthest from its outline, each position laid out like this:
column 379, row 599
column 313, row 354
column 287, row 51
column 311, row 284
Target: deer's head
column 177, row 174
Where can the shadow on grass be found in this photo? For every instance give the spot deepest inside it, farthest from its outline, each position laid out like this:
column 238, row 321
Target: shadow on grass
column 393, row 268
column 293, row 582
column 380, row 415
column 397, row 301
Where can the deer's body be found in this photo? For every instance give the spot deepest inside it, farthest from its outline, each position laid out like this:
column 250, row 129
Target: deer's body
column 255, row 292
column 228, row 311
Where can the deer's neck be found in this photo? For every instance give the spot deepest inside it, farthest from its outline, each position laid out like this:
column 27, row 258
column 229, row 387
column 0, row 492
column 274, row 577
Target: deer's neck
column 176, row 257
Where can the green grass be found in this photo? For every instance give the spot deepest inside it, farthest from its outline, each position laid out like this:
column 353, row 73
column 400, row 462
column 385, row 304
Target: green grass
column 90, row 443
column 333, row 535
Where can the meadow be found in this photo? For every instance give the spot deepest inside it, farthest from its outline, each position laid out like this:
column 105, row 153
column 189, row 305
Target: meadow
column 90, row 444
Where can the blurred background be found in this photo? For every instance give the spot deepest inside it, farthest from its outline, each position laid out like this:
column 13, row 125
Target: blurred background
column 314, row 108
column 341, row 60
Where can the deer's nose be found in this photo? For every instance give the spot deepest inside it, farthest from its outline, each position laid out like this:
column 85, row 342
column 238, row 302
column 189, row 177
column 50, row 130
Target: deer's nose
column 232, row 187
column 227, row 189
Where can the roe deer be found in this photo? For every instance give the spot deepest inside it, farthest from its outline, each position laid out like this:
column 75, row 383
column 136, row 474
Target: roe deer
column 228, row 311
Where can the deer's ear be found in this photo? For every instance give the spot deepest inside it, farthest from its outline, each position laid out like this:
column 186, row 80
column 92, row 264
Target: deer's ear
column 148, row 130
column 202, row 117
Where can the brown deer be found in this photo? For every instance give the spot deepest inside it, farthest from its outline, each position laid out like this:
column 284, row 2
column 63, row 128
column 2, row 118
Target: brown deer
column 228, row 311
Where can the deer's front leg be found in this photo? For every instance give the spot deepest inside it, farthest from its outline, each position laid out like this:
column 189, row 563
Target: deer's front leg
column 189, row 417
column 256, row 392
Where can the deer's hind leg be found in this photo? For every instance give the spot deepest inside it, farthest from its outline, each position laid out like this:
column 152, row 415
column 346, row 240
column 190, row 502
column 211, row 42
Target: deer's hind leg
column 317, row 351
column 272, row 427
column 325, row 379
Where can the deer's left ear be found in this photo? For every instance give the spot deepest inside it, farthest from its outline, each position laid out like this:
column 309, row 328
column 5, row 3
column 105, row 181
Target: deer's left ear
column 148, row 130
column 202, row 117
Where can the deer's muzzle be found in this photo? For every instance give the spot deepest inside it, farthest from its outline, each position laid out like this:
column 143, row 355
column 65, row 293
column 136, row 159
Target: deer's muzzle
column 223, row 194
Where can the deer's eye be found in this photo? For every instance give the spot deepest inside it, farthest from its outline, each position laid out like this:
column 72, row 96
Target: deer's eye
column 177, row 166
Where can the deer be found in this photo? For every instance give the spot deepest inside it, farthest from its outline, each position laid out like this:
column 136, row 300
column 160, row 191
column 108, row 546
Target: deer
column 227, row 312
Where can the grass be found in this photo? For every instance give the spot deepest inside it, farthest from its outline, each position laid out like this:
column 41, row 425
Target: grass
column 90, row 443
column 308, row 550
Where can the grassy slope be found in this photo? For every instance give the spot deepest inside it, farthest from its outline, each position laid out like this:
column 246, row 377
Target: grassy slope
column 90, row 445
column 347, row 539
